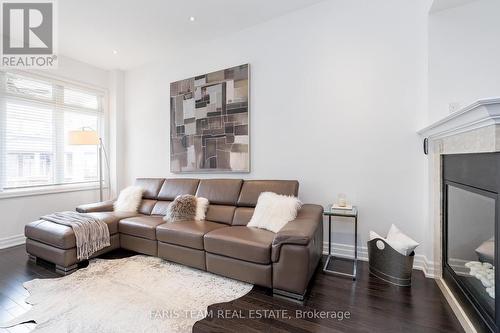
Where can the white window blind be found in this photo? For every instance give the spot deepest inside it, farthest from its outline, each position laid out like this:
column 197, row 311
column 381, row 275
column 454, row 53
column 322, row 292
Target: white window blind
column 36, row 115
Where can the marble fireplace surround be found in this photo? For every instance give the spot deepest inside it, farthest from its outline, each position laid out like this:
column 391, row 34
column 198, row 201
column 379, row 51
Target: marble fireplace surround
column 473, row 129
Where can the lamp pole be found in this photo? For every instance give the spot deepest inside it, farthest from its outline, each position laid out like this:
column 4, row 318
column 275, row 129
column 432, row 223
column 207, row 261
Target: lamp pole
column 100, row 169
column 89, row 137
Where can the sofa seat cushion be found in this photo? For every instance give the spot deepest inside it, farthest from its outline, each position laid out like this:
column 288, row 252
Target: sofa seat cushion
column 62, row 236
column 143, row 226
column 186, row 233
column 240, row 242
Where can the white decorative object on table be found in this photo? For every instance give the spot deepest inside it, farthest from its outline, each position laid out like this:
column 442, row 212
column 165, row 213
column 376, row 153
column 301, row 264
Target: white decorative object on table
column 341, row 200
column 346, row 207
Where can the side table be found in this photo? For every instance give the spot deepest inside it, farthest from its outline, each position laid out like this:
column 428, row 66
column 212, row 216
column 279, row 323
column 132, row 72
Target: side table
column 352, row 213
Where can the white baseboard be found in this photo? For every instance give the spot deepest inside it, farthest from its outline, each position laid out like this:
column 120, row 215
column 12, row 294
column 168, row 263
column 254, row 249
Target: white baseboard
column 347, row 251
column 12, row 241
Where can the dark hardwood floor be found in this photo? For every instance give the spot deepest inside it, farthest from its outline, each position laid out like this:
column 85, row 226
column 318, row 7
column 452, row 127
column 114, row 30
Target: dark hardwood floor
column 373, row 305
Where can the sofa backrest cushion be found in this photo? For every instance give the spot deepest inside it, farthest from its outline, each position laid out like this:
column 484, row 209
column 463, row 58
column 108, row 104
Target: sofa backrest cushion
column 223, row 194
column 220, row 191
column 151, row 186
column 242, row 215
column 251, row 190
column 146, row 206
column 177, row 186
column 160, row 207
column 220, row 213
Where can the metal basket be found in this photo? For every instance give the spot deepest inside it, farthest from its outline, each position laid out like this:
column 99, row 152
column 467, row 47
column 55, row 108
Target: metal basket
column 389, row 265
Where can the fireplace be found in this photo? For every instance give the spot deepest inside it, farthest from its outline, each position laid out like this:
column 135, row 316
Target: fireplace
column 470, row 211
column 463, row 209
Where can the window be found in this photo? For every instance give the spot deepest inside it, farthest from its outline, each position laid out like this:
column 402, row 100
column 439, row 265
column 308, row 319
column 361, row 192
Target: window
column 36, row 115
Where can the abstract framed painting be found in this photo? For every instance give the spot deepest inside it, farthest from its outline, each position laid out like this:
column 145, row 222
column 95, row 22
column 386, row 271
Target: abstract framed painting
column 209, row 122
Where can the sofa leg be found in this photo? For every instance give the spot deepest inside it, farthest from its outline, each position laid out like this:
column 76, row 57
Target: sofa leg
column 66, row 270
column 32, row 258
column 297, row 298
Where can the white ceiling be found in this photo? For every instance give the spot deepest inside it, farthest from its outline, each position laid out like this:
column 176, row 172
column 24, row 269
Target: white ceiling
column 141, row 31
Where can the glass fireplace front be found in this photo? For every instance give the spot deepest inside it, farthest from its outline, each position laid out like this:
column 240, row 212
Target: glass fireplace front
column 471, row 183
column 471, row 242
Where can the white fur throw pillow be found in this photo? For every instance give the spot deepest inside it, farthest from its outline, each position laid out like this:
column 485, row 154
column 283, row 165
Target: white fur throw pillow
column 129, row 199
column 201, row 208
column 273, row 211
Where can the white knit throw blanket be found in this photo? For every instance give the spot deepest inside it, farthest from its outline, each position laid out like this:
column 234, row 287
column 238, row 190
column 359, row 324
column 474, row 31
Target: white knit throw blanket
column 91, row 233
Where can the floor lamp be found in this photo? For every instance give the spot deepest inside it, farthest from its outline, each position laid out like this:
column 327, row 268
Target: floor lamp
column 89, row 137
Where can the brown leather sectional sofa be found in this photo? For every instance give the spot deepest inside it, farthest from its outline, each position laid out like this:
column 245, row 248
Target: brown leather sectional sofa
column 221, row 244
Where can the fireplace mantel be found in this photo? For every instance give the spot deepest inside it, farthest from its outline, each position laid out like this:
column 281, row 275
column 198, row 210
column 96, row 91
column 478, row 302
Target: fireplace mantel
column 482, row 113
column 472, row 129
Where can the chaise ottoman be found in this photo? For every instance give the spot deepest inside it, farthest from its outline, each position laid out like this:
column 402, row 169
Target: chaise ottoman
column 56, row 243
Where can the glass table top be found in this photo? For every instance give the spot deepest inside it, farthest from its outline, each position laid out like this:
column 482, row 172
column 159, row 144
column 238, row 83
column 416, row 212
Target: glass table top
column 341, row 212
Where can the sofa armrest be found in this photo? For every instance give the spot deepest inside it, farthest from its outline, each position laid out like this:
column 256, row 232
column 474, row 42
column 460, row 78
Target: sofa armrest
column 299, row 231
column 104, row 206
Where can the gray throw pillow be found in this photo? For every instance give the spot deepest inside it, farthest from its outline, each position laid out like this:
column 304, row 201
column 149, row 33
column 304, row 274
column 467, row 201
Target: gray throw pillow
column 183, row 208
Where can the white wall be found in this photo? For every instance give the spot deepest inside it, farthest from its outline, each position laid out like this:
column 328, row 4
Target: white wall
column 116, row 130
column 74, row 70
column 337, row 92
column 464, row 55
column 16, row 212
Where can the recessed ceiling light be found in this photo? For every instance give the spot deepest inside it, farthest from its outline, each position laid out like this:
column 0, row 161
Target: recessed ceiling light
column 192, row 18
column 115, row 51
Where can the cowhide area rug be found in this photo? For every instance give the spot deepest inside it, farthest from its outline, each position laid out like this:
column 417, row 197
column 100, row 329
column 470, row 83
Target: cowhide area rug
column 135, row 294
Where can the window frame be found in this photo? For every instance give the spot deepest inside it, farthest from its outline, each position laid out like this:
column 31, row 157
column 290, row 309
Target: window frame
column 57, row 82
